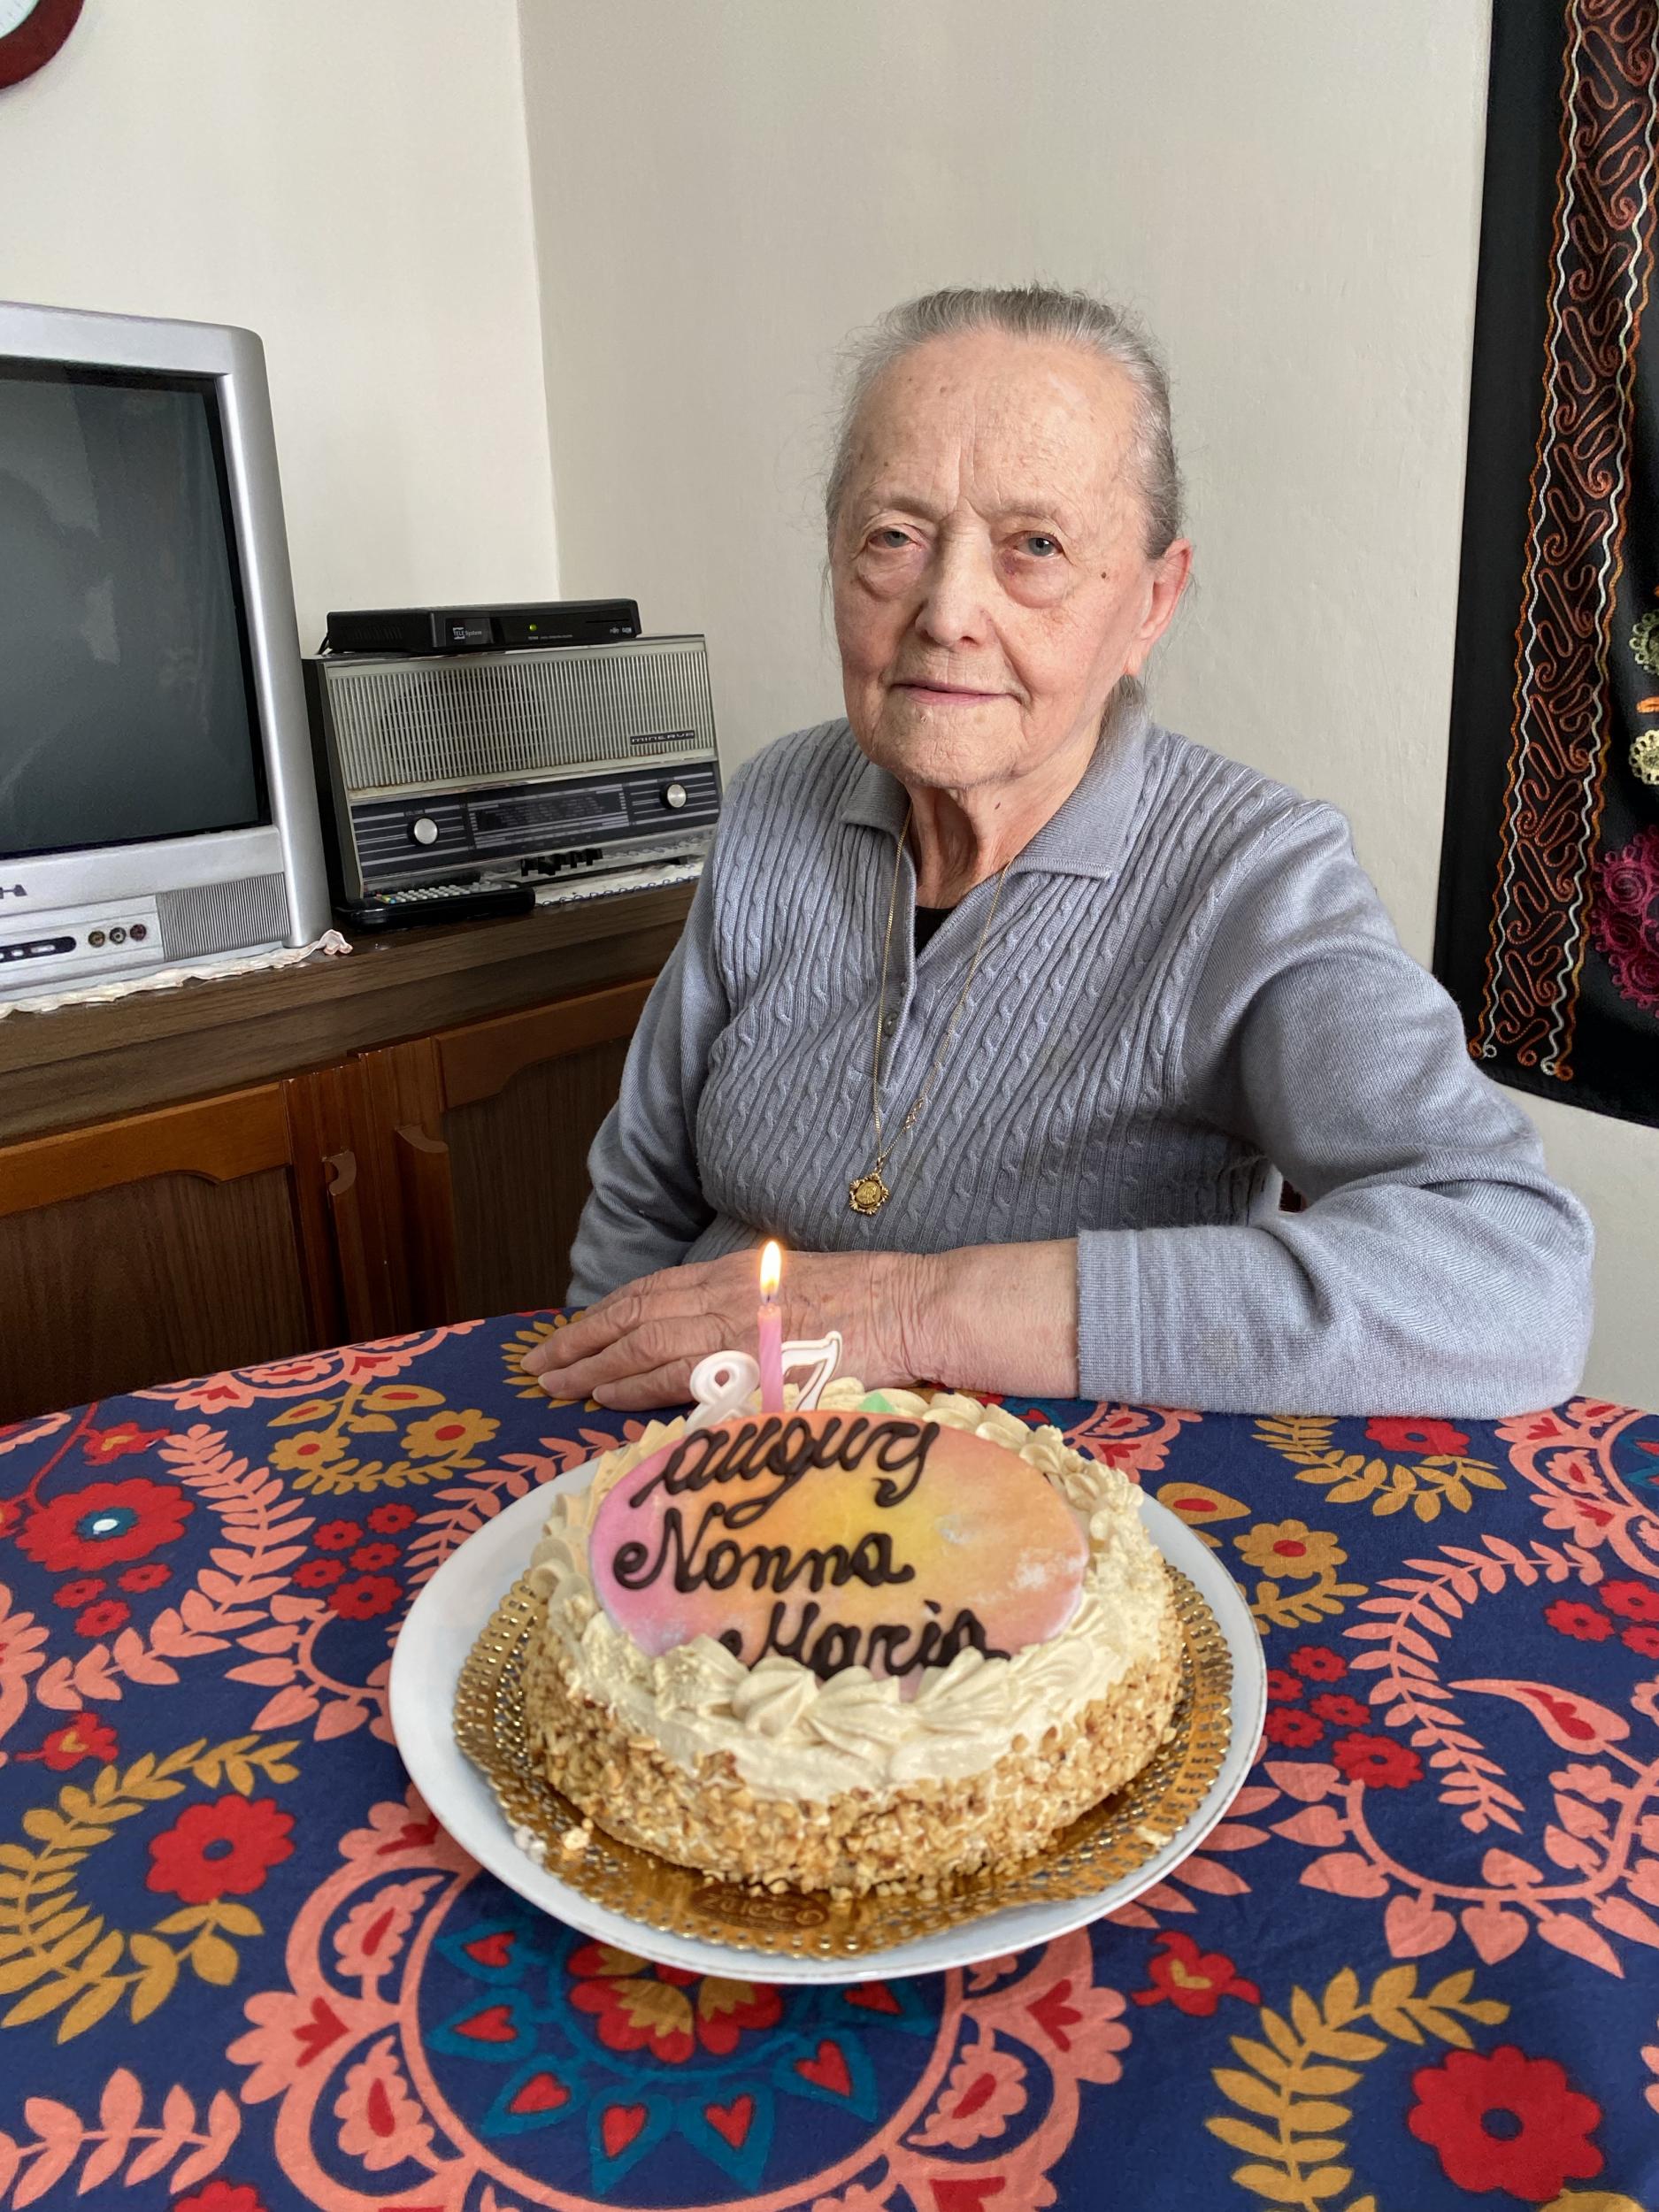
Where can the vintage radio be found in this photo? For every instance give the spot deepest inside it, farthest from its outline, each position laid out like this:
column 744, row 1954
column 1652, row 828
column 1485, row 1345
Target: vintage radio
column 489, row 770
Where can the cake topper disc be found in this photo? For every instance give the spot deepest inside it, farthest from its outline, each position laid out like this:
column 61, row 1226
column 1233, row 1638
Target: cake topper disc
column 837, row 1540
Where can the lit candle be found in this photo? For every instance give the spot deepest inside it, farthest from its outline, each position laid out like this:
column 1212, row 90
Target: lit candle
column 770, row 1327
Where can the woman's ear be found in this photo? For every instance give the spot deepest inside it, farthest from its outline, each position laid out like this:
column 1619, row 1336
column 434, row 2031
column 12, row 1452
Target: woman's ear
column 1168, row 578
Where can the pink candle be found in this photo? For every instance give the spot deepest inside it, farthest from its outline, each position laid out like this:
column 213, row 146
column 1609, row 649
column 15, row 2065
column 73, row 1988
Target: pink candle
column 770, row 1322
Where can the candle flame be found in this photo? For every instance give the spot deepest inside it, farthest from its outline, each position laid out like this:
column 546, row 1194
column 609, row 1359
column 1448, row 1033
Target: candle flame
column 770, row 1271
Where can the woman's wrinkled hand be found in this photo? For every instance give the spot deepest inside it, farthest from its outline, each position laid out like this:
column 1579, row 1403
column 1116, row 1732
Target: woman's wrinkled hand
column 637, row 1348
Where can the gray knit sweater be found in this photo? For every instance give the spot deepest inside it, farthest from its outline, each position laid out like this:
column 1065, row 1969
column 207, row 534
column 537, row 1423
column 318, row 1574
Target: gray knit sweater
column 1189, row 982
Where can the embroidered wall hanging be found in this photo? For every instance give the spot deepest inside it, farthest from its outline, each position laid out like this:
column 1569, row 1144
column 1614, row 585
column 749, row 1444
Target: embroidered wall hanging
column 1548, row 923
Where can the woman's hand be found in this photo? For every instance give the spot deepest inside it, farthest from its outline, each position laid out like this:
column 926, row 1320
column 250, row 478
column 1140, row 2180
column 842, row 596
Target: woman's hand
column 990, row 1317
column 637, row 1348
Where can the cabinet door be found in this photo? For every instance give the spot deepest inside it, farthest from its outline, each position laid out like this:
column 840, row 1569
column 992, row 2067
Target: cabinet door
column 523, row 1101
column 162, row 1245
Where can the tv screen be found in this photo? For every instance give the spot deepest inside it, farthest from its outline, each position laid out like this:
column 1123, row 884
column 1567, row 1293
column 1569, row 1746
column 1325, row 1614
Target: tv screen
column 127, row 704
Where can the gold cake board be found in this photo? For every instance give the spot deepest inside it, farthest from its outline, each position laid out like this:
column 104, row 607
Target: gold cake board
column 1110, row 1841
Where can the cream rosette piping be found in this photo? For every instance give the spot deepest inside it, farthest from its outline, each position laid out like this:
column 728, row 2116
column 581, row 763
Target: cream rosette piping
column 790, row 1735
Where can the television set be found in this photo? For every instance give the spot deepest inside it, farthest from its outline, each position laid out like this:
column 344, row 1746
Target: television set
column 157, row 798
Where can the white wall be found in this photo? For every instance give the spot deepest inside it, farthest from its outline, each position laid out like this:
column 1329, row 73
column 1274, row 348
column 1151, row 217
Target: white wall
column 1290, row 193
column 351, row 181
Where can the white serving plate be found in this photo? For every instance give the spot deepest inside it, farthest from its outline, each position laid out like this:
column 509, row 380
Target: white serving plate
column 454, row 1608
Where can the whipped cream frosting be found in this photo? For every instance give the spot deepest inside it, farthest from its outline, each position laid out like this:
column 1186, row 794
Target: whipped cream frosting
column 790, row 1735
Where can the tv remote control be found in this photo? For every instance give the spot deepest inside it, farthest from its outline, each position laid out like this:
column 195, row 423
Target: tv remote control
column 421, row 905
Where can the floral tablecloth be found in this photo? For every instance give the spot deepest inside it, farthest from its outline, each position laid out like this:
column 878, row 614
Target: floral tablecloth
column 243, row 1969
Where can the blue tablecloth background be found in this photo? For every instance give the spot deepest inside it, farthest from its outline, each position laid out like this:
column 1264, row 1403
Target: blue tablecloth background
column 243, row 1969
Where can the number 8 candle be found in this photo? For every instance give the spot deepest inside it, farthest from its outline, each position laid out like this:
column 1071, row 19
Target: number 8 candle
column 770, row 1327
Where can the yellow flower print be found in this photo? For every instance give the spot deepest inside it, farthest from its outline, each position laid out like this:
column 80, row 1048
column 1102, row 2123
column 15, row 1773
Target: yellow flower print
column 311, row 1447
column 446, row 1435
column 1290, row 1549
column 1286, row 1552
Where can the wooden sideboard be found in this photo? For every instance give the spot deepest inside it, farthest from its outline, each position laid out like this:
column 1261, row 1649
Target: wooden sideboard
column 237, row 1172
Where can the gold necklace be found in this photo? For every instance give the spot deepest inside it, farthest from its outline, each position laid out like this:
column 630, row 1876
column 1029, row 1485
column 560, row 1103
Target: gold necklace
column 870, row 1193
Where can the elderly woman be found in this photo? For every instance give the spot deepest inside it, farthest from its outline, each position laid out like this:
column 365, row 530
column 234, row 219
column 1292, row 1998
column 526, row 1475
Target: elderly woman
column 1001, row 1005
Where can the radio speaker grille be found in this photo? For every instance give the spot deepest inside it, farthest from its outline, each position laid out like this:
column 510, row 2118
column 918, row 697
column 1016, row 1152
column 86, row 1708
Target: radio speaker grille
column 420, row 723
column 223, row 917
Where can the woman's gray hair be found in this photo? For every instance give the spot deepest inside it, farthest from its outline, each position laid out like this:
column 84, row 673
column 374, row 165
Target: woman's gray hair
column 1046, row 314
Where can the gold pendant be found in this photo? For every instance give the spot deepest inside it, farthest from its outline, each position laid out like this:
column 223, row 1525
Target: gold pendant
column 868, row 1195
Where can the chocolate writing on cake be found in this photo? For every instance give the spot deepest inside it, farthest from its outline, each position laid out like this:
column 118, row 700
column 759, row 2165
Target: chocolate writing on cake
column 730, row 1479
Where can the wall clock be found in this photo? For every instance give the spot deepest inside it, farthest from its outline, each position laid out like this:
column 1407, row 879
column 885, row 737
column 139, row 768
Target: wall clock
column 31, row 32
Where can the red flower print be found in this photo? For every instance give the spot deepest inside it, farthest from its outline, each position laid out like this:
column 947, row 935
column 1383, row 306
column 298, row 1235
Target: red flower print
column 391, row 1520
column 148, row 1577
column 219, row 1850
column 222, row 2196
column 1318, row 1663
column 1631, row 1601
column 1641, row 1639
column 316, row 1574
column 1282, row 1687
column 1378, row 1761
column 1437, row 1438
column 362, row 1600
column 337, row 1535
column 372, row 1557
column 103, row 1619
column 1295, row 1730
column 11, row 1513
column 82, row 1736
column 664, row 2009
column 80, row 1592
column 1582, row 1621
column 104, row 1525
column 1544, row 2142
column 102, row 1445
column 1194, row 1981
column 1341, row 1712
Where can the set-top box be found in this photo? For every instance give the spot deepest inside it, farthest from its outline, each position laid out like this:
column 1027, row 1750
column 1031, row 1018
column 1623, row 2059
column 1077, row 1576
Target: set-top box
column 507, row 766
column 535, row 624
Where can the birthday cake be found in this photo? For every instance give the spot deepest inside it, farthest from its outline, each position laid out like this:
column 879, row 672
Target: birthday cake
column 890, row 1641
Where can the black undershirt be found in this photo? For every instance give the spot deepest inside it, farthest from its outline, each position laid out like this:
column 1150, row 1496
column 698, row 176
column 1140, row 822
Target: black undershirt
column 927, row 921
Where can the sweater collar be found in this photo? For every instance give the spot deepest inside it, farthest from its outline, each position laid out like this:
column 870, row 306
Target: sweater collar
column 1086, row 838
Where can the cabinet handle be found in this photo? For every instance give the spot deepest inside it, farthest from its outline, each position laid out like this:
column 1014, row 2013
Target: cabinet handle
column 351, row 1245
column 428, row 1196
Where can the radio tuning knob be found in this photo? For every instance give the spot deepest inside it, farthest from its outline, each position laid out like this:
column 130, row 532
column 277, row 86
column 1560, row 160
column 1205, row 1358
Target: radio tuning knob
column 424, row 830
column 675, row 795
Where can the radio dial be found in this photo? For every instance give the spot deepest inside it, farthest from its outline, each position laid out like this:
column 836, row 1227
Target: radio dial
column 675, row 795
column 424, row 830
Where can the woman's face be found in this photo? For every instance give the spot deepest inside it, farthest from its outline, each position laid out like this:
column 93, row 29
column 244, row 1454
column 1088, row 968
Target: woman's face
column 991, row 584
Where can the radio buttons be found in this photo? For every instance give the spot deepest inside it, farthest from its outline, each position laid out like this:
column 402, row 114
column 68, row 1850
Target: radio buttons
column 675, row 795
column 424, row 830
